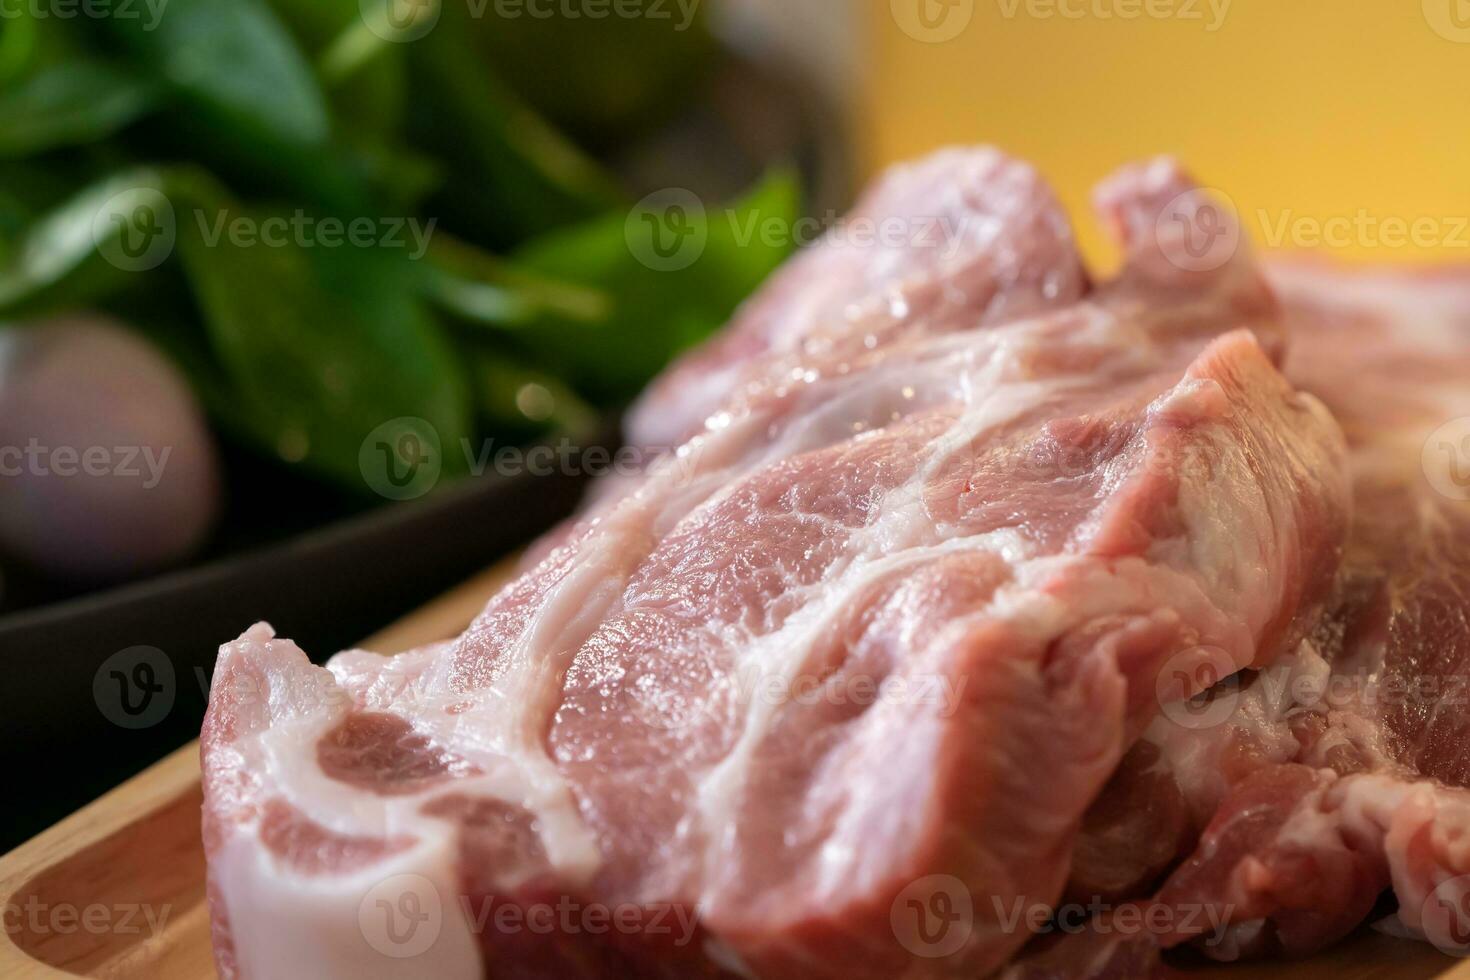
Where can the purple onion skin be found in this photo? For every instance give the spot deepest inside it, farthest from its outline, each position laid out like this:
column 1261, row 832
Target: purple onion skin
column 108, row 470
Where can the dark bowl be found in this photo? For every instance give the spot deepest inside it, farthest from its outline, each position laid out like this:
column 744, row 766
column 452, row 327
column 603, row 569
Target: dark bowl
column 99, row 686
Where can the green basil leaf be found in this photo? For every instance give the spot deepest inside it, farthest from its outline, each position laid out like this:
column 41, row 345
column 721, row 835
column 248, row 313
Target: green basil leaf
column 245, row 102
column 367, row 95
column 485, row 290
column 236, row 63
column 508, row 174
column 325, row 345
column 70, row 104
column 659, row 305
column 119, row 217
column 19, row 44
column 26, row 190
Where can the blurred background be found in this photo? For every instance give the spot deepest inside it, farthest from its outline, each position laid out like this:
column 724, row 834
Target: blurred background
column 289, row 287
column 1331, row 126
column 330, row 254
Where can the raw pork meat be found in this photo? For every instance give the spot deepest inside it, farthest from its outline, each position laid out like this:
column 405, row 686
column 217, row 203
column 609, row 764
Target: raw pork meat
column 838, row 682
column 1340, row 772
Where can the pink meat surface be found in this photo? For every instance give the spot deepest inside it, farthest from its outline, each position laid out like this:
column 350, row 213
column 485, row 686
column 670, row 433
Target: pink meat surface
column 832, row 687
column 971, row 237
column 1297, row 795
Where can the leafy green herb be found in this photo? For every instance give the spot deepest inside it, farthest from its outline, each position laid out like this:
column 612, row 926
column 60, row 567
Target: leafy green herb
column 236, row 63
column 536, row 314
column 654, row 313
column 483, row 289
column 363, row 76
column 324, row 345
column 63, row 245
column 69, row 104
column 19, row 43
column 247, row 103
column 509, row 175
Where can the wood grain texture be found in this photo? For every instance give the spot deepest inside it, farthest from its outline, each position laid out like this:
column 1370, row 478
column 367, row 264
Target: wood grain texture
column 137, row 852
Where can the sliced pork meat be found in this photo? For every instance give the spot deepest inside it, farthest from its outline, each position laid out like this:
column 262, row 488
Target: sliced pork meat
column 952, row 242
column 838, row 681
column 1303, row 792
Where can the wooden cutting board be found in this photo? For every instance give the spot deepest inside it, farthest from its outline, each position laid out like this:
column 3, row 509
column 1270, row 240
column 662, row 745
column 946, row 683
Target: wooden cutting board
column 96, row 875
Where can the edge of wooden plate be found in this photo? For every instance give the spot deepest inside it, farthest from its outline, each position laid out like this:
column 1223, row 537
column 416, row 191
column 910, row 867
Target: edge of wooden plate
column 117, row 834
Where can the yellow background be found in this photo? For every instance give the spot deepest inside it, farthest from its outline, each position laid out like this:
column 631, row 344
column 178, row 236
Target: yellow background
column 1304, row 109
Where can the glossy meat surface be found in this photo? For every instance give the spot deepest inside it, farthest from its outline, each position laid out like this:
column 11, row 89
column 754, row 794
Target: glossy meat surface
column 1301, row 793
column 869, row 646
